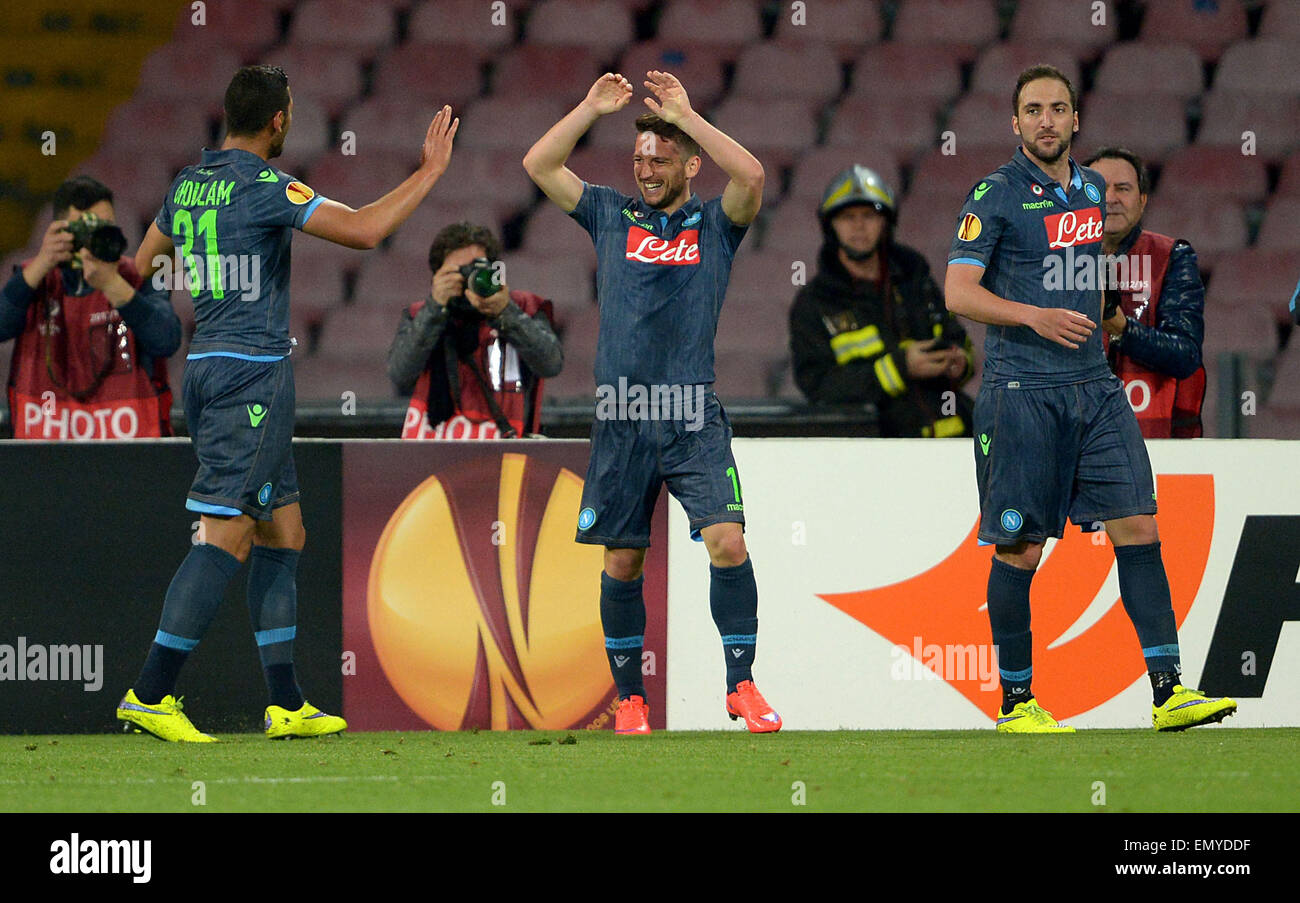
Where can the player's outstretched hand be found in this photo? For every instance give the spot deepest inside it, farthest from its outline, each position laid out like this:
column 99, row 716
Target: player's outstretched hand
column 1064, row 327
column 609, row 94
column 673, row 105
column 436, row 153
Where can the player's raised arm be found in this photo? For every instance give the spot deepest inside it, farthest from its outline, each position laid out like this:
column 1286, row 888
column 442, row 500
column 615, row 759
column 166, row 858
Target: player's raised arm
column 545, row 160
column 371, row 224
column 744, row 193
column 964, row 295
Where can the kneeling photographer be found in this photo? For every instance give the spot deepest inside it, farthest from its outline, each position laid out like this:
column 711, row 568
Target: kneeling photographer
column 473, row 354
column 91, row 347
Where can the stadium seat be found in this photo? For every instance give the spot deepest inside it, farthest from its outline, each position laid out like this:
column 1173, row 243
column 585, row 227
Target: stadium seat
column 1260, row 67
column 363, row 30
column 1000, row 65
column 336, row 367
column 152, row 127
column 493, row 178
column 508, row 123
column 394, row 124
column 843, row 24
column 808, row 72
column 359, row 179
column 1213, row 229
column 1064, row 24
column 982, row 122
column 549, row 231
column 414, row 236
column 331, row 79
column 1214, row 172
column 138, row 179
column 601, row 25
column 1273, row 119
column 743, row 375
column 1281, row 228
column 1207, row 27
column 925, row 74
column 461, row 22
column 1286, row 383
column 961, row 26
column 776, row 132
column 895, row 124
column 724, row 25
column 697, row 67
column 610, row 166
column 1153, row 126
column 1281, row 19
column 566, row 282
column 1274, row 423
column 1139, row 67
column 1288, row 183
column 574, row 382
column 928, row 222
column 432, row 74
column 560, row 74
column 389, row 280
column 1249, row 330
column 175, row 73
column 1262, row 278
column 242, row 27
column 315, row 287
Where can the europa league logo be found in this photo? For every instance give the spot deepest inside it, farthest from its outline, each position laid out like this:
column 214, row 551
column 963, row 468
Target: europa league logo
column 483, row 610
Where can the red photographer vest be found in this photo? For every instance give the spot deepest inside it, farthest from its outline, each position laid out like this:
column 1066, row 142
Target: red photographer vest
column 1165, row 407
column 68, row 344
column 503, row 372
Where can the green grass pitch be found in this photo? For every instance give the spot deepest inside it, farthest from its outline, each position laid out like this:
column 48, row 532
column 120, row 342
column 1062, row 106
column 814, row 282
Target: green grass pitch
column 1211, row 770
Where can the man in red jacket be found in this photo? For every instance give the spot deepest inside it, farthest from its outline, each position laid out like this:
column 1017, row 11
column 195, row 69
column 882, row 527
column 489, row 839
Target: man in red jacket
column 1154, row 318
column 91, row 342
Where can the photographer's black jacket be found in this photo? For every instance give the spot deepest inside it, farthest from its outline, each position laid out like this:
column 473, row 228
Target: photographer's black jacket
column 849, row 343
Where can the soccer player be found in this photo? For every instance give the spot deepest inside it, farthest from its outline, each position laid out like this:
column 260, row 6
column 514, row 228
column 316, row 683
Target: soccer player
column 1054, row 433
column 664, row 259
column 238, row 387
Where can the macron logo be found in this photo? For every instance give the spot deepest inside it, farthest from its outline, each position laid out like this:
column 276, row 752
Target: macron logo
column 684, row 250
column 102, row 857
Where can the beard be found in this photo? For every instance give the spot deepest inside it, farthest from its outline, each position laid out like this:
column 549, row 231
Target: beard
column 671, row 194
column 1062, row 147
column 277, row 147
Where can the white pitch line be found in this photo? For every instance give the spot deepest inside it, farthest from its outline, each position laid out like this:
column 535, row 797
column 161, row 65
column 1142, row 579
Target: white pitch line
column 185, row 779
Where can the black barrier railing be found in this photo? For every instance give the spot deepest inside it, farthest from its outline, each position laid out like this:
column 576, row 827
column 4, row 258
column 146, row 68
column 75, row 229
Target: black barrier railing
column 570, row 420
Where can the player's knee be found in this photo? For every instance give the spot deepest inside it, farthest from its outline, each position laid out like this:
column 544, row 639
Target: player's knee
column 1139, row 530
column 1023, row 555
column 624, row 564
column 727, row 547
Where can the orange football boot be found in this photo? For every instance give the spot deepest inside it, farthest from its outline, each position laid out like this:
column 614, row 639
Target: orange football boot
column 633, row 716
column 749, row 704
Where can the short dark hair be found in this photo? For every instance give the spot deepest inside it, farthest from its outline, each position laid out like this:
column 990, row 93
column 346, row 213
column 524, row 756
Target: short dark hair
column 254, row 96
column 649, row 122
column 462, row 235
column 82, row 192
column 1042, row 70
column 1123, row 153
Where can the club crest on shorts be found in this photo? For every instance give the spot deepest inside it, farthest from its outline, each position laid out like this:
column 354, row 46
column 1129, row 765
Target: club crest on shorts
column 264, row 494
column 586, row 517
column 1012, row 521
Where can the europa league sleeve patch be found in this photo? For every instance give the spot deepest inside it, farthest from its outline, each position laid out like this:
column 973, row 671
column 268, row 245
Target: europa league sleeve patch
column 298, row 193
column 970, row 227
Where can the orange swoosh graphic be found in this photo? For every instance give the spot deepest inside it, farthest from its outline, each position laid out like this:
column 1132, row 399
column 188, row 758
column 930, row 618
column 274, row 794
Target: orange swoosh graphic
column 943, row 605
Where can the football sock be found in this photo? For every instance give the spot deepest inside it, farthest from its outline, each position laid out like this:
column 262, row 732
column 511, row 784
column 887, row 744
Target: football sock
column 1144, row 588
column 733, row 599
column 273, row 612
column 1162, row 686
column 192, row 600
column 622, row 615
column 1008, row 598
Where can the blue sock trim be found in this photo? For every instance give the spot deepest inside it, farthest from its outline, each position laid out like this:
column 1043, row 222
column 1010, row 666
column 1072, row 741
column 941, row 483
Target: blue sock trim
column 740, row 639
column 172, row 641
column 1016, row 676
column 624, row 642
column 1154, row 651
column 275, row 635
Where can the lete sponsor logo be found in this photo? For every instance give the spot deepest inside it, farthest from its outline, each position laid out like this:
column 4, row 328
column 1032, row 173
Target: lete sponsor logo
column 684, row 250
column 1074, row 227
column 1067, row 644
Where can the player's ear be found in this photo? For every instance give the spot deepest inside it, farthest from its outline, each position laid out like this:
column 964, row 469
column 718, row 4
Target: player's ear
column 1015, row 124
column 693, row 166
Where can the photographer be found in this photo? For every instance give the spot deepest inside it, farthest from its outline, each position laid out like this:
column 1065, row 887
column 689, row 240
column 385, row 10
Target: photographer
column 476, row 361
column 90, row 353
column 1155, row 324
column 871, row 326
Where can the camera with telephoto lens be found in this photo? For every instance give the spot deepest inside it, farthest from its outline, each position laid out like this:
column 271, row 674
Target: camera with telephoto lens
column 482, row 279
column 104, row 240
